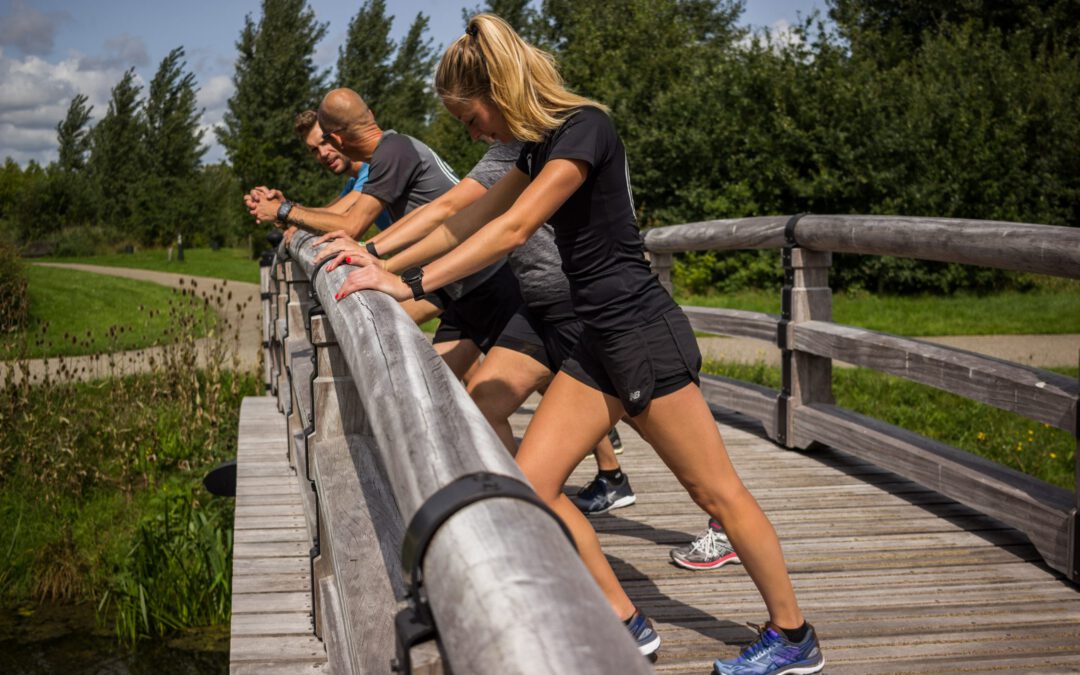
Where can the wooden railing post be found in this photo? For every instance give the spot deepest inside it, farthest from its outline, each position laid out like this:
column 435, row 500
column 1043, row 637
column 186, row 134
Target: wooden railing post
column 281, row 330
column 1074, row 530
column 808, row 378
column 661, row 265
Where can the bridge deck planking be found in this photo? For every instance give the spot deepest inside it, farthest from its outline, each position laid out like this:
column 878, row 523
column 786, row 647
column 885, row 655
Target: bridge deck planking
column 271, row 622
column 895, row 578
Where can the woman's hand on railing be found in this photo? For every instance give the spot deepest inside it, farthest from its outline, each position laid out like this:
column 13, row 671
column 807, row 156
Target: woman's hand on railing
column 371, row 276
column 340, row 245
column 333, row 236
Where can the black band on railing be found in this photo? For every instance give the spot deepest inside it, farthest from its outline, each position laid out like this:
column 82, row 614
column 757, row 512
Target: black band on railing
column 789, row 229
column 315, row 272
column 415, row 624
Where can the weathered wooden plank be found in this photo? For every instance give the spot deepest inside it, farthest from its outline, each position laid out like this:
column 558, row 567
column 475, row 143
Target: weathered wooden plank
column 277, row 534
column 278, row 648
column 733, row 322
column 1037, row 394
column 1023, row 247
column 443, row 437
column 333, row 629
column 1039, row 510
column 280, row 623
column 290, row 668
column 274, row 603
column 245, row 522
column 245, row 565
column 272, row 583
column 281, row 549
column 733, row 234
column 359, row 510
column 745, row 397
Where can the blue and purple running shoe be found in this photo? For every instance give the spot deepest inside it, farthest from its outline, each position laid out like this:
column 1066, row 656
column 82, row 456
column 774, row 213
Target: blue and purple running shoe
column 774, row 654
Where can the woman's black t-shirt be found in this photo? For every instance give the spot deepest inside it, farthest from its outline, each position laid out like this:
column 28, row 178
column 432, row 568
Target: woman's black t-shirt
column 603, row 254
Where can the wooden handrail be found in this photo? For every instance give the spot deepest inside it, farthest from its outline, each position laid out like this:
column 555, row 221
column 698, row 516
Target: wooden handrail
column 803, row 414
column 507, row 590
column 1021, row 247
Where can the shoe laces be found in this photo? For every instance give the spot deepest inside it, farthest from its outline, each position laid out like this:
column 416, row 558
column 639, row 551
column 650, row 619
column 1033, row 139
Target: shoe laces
column 759, row 647
column 709, row 543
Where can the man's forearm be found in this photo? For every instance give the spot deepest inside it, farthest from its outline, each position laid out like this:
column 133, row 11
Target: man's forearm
column 321, row 221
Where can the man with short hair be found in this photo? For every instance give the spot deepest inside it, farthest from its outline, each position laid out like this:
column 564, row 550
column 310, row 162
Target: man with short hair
column 403, row 175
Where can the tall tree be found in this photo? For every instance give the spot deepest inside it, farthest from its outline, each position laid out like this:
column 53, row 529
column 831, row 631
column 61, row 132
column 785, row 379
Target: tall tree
column 73, row 134
column 173, row 140
column 364, row 60
column 117, row 156
column 409, row 101
column 275, row 78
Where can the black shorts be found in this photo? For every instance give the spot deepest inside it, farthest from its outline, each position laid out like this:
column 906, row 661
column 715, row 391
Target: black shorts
column 481, row 314
column 640, row 364
column 549, row 341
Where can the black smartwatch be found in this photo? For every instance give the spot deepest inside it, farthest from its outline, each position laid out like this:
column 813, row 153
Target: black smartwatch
column 283, row 211
column 414, row 277
column 370, row 246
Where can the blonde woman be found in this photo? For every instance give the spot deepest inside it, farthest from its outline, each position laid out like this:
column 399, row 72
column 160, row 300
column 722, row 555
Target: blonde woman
column 638, row 355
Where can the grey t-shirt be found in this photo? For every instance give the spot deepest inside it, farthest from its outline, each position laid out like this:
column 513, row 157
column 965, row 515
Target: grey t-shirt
column 404, row 174
column 536, row 263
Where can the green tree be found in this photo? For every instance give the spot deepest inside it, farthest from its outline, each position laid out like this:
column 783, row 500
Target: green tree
column 118, row 157
column 364, row 59
column 173, row 138
column 409, row 102
column 73, row 135
column 275, row 78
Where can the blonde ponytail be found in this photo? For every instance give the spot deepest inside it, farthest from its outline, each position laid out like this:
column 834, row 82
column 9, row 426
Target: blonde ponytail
column 491, row 62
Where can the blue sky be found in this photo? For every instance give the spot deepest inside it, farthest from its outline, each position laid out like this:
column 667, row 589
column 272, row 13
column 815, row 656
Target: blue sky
column 51, row 50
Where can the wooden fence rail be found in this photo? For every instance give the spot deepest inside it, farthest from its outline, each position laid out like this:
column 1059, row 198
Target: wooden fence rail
column 803, row 413
column 378, row 426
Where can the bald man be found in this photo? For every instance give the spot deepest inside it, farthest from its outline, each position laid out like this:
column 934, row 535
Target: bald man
column 404, row 174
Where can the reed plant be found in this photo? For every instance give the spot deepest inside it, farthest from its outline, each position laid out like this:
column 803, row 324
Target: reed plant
column 100, row 495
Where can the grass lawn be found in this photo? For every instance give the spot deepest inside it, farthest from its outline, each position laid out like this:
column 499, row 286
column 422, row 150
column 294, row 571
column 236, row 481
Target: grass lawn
column 1017, row 442
column 74, row 313
column 1053, row 307
column 234, row 264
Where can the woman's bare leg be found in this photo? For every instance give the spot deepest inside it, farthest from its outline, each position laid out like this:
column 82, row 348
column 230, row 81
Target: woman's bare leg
column 681, row 428
column 501, row 384
column 571, row 419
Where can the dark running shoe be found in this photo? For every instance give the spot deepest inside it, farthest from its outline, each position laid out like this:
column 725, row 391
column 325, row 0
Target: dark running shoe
column 773, row 654
column 601, row 496
column 647, row 639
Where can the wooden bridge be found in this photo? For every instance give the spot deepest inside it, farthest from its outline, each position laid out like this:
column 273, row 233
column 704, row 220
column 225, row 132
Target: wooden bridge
column 907, row 555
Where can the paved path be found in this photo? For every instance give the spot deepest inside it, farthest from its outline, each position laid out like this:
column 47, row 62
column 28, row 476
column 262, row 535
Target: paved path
column 242, row 310
column 1033, row 350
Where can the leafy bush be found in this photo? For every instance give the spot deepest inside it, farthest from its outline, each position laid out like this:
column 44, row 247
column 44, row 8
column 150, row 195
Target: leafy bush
column 14, row 300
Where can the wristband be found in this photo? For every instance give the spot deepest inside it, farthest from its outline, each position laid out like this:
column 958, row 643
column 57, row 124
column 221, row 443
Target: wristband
column 370, row 246
column 283, row 211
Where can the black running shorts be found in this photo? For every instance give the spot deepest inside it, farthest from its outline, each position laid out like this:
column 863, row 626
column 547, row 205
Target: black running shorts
column 481, row 314
column 550, row 342
column 640, row 364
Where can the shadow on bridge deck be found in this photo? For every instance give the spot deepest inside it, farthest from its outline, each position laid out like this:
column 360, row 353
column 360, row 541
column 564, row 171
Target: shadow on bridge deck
column 896, row 578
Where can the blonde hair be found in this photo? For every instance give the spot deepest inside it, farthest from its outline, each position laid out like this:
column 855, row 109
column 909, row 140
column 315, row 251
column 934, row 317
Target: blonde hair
column 491, row 62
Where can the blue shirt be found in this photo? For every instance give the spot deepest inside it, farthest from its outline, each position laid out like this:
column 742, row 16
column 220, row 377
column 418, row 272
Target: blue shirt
column 357, row 183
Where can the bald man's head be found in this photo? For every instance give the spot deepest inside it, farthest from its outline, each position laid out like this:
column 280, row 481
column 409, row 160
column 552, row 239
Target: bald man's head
column 344, row 109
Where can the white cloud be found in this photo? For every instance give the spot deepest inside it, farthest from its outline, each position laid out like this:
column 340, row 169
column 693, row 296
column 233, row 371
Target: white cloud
column 35, row 95
column 28, row 30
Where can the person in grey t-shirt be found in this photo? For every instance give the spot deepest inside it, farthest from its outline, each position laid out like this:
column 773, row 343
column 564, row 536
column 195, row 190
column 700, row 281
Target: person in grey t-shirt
column 534, row 342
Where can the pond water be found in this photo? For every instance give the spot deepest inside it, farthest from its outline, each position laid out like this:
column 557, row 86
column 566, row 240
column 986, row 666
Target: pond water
column 55, row 639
